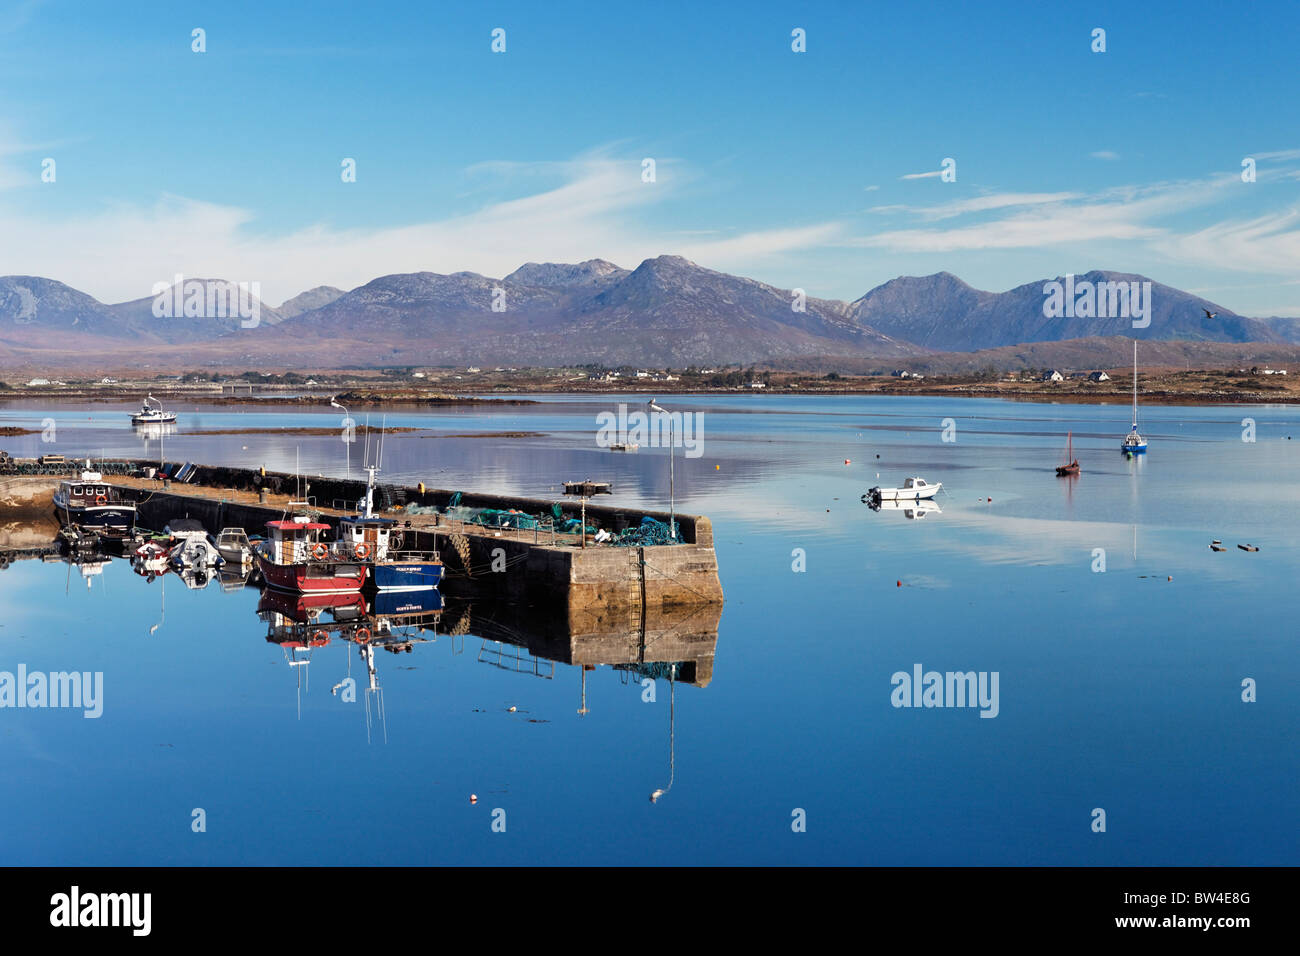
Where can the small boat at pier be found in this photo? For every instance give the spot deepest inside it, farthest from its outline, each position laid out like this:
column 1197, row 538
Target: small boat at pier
column 374, row 541
column 295, row 558
column 93, row 505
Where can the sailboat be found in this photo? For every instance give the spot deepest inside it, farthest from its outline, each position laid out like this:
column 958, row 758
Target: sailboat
column 1134, row 444
column 1070, row 467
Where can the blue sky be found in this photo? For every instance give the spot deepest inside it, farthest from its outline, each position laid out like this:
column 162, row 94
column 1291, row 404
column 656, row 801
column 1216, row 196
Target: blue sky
column 789, row 167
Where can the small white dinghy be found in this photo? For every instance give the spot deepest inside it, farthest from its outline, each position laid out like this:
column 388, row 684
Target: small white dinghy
column 914, row 489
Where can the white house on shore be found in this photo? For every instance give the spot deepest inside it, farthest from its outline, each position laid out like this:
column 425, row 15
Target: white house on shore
column 1099, row 377
column 1053, row 376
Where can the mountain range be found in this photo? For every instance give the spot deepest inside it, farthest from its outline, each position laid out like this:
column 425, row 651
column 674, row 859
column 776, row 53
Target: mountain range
column 667, row 312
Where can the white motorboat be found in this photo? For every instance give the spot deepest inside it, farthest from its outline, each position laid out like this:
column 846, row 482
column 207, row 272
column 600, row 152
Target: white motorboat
column 191, row 548
column 233, row 545
column 914, row 489
column 149, row 415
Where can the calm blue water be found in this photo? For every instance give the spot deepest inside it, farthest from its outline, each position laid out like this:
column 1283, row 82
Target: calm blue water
column 1118, row 689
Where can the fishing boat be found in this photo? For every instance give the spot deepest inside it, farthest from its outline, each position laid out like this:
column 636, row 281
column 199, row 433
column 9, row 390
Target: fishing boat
column 151, row 415
column 914, row 489
column 1134, row 444
column 374, row 541
column 294, row 557
column 91, row 504
column 1070, row 466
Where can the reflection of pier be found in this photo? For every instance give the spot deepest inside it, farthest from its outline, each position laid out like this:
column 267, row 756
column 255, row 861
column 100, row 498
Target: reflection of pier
column 649, row 645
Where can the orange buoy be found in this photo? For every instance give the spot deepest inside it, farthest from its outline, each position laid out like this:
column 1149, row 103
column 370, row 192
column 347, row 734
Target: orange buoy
column 846, row 461
column 898, row 584
column 320, row 551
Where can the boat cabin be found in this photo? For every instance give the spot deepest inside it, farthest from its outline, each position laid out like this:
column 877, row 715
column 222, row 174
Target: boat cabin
column 911, row 483
column 296, row 541
column 365, row 538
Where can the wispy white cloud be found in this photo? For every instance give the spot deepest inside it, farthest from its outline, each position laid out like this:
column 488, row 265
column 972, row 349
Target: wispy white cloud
column 929, row 175
column 586, row 208
column 1105, row 154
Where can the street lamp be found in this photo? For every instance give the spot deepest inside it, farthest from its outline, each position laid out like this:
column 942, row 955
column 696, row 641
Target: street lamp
column 672, row 492
column 347, row 420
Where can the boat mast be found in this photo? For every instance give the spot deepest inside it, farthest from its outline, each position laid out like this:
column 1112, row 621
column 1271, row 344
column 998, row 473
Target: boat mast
column 1135, row 384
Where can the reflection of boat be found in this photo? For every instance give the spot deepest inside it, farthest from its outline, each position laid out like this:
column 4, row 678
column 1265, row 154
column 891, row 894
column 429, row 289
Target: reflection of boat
column 914, row 489
column 911, row 510
column 624, row 446
column 1070, row 466
column 149, row 415
column 294, row 558
column 195, row 578
column 94, row 505
column 1134, row 444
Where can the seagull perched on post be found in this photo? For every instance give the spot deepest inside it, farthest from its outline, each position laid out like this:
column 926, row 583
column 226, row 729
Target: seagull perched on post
column 1209, row 314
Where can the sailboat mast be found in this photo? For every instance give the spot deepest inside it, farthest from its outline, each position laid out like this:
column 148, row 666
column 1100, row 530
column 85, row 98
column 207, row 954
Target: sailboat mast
column 1135, row 383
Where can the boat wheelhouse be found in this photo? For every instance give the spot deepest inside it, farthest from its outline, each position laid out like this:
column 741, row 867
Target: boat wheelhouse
column 91, row 504
column 294, row 557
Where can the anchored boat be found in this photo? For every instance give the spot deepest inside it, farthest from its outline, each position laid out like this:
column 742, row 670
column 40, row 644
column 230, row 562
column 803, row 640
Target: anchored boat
column 914, row 489
column 1134, row 444
column 151, row 415
column 1070, row 467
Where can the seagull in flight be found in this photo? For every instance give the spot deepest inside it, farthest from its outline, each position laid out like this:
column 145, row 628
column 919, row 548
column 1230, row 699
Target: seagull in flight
column 1209, row 314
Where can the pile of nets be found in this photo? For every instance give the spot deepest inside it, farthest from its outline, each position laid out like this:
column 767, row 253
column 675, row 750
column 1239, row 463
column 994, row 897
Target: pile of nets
column 649, row 532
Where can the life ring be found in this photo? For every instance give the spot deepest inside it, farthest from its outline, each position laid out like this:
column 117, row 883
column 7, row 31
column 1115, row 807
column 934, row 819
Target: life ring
column 362, row 551
column 317, row 636
column 320, row 551
column 363, row 635
column 100, row 500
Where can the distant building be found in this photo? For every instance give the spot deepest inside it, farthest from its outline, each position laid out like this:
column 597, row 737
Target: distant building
column 38, row 381
column 1099, row 377
column 473, row 368
column 1053, row 376
column 1274, row 371
column 418, row 375
column 757, row 385
column 108, row 381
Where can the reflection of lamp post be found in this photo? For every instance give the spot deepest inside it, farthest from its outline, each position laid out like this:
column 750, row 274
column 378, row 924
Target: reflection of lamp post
column 347, row 420
column 672, row 716
column 672, row 524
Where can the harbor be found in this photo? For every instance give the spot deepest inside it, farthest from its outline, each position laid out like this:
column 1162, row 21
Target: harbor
column 493, row 545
